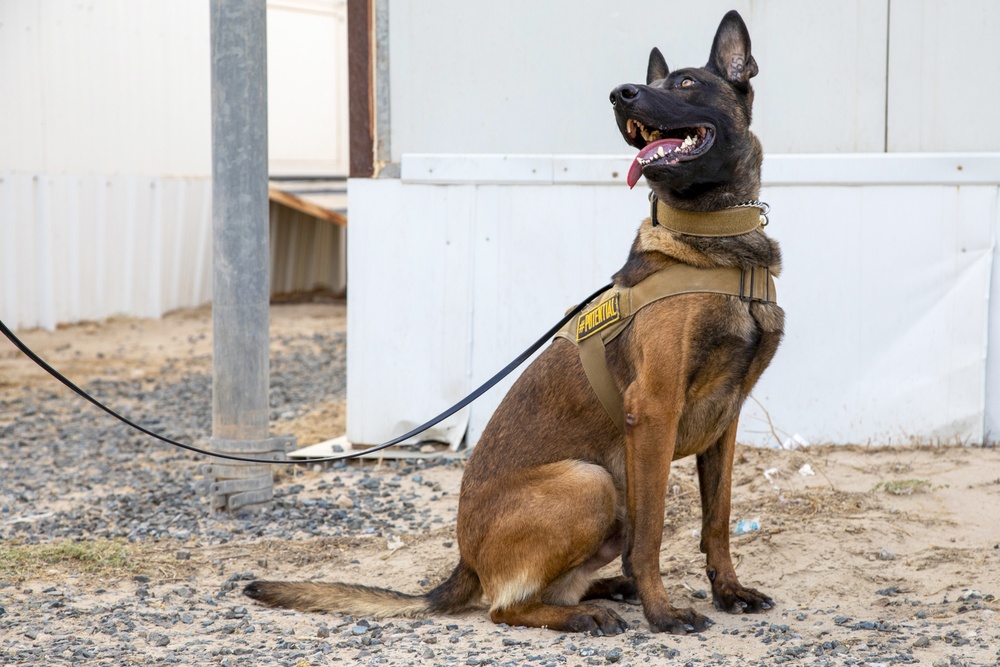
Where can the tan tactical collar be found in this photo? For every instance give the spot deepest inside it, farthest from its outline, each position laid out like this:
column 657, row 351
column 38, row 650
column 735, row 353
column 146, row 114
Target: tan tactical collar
column 741, row 219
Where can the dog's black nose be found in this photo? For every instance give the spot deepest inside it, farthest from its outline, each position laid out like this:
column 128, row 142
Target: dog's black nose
column 624, row 93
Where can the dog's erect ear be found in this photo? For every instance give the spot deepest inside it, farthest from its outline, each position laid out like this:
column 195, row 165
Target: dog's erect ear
column 657, row 68
column 731, row 57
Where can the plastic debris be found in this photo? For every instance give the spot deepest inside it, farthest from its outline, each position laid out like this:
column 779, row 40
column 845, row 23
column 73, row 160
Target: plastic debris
column 769, row 473
column 394, row 543
column 795, row 442
column 806, row 470
column 747, row 526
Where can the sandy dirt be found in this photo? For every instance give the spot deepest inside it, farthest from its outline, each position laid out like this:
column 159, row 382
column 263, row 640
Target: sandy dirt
column 874, row 555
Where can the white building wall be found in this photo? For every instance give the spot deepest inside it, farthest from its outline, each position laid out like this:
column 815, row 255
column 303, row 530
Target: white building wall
column 105, row 87
column 105, row 147
column 890, row 259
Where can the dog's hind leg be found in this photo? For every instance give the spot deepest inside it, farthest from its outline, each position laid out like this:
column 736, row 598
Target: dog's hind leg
column 578, row 584
column 539, row 548
column 715, row 473
column 533, row 613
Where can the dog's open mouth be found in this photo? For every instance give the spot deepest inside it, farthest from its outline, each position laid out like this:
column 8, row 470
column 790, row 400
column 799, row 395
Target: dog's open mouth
column 664, row 147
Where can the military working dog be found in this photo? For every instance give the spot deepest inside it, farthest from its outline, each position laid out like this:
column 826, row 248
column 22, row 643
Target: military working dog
column 571, row 471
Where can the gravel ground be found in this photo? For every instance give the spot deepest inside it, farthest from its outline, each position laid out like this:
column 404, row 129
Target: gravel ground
column 110, row 556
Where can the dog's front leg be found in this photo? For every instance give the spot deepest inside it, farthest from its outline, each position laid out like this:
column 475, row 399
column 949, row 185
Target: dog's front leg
column 650, row 439
column 715, row 480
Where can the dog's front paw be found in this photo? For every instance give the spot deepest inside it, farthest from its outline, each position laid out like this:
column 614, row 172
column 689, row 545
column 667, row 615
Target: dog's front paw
column 736, row 599
column 678, row 621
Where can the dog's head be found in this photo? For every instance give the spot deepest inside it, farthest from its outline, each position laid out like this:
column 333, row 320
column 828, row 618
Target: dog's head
column 692, row 126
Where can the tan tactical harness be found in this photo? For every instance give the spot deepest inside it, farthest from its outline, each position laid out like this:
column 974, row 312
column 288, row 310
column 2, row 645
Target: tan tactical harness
column 599, row 324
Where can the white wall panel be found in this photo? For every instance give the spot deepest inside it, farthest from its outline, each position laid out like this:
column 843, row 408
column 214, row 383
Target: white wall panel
column 944, row 86
column 410, row 300
column 886, row 302
column 821, row 87
column 530, row 77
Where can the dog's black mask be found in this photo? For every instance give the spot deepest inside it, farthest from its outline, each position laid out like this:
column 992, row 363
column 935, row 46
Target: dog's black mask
column 691, row 125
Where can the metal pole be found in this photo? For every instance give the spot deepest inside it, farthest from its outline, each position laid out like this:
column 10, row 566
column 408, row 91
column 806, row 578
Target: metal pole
column 240, row 259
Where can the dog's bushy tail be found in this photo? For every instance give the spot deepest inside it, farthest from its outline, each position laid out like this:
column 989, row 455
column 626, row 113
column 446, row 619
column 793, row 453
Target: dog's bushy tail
column 457, row 593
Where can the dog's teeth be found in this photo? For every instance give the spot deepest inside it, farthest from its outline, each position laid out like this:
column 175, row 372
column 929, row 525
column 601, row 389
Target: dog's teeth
column 630, row 127
column 659, row 151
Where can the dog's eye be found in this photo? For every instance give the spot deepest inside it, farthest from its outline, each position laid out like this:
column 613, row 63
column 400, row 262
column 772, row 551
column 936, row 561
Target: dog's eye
column 687, row 81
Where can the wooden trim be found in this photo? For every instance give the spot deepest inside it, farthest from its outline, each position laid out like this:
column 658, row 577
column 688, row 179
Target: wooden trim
column 360, row 90
column 299, row 204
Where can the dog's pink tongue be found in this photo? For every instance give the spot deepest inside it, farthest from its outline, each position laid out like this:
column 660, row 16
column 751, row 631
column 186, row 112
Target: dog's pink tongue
column 647, row 153
column 634, row 172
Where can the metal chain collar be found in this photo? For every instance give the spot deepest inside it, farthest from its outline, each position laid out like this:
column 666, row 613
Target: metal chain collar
column 756, row 203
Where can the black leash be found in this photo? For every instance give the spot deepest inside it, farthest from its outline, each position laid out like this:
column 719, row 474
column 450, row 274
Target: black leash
column 486, row 386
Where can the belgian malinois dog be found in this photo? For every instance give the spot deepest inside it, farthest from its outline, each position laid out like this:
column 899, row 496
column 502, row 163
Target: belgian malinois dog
column 555, row 490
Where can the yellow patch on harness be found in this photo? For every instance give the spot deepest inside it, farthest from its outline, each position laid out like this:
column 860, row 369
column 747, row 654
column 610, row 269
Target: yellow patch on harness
column 597, row 318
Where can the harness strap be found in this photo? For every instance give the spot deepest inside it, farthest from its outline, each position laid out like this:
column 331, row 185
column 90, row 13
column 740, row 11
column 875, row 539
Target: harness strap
column 595, row 366
column 614, row 309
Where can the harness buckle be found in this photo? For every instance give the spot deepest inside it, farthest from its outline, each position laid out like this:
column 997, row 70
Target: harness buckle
column 746, row 295
column 748, row 292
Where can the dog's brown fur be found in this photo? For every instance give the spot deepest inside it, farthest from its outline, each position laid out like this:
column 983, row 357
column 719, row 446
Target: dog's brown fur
column 553, row 491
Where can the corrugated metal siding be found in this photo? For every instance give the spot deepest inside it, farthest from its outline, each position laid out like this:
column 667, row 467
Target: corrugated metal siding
column 88, row 247
column 84, row 247
column 306, row 253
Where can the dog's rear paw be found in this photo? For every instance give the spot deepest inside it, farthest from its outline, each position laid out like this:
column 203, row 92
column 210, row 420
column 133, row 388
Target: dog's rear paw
column 597, row 621
column 739, row 600
column 678, row 621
